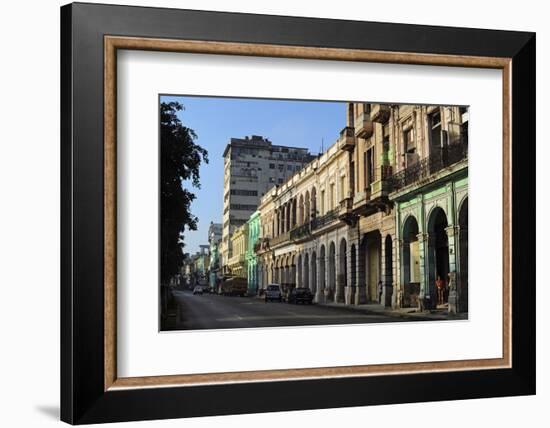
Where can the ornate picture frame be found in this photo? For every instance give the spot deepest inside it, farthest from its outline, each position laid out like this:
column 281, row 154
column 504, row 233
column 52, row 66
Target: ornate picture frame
column 92, row 391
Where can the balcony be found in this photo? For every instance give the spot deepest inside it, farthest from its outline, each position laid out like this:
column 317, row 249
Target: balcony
column 427, row 167
column 347, row 139
column 324, row 220
column 261, row 245
column 345, row 213
column 363, row 126
column 280, row 238
column 300, row 232
column 381, row 184
column 380, row 113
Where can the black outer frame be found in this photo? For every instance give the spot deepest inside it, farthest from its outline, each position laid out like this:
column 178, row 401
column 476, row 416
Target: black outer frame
column 83, row 399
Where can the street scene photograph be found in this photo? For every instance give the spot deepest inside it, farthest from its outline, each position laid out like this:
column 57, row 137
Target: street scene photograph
column 280, row 213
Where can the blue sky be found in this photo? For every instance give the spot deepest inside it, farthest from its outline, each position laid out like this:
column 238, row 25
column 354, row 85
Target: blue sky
column 215, row 120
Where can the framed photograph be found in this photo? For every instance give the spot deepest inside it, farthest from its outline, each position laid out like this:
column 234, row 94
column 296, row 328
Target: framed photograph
column 267, row 213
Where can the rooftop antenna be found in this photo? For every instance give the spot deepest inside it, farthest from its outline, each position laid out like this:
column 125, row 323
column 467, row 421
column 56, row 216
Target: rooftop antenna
column 322, row 145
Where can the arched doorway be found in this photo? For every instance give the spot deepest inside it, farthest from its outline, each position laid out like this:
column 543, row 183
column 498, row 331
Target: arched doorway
column 293, row 271
column 372, row 242
column 301, row 210
column 438, row 253
column 300, row 271
column 410, row 263
column 388, row 269
column 463, row 257
column 307, row 208
column 322, row 269
column 306, row 271
column 313, row 202
column 342, row 281
column 332, row 268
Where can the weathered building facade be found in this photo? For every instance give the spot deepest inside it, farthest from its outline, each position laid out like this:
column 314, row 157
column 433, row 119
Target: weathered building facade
column 251, row 258
column 214, row 240
column 237, row 263
column 430, row 193
column 253, row 165
column 380, row 216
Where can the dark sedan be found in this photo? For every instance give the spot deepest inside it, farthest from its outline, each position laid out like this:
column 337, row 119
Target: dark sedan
column 300, row 295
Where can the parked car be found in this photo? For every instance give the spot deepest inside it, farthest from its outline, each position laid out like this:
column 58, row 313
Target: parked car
column 273, row 292
column 300, row 295
column 197, row 289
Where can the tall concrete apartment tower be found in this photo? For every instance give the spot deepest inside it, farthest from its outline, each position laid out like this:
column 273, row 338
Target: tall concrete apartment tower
column 252, row 166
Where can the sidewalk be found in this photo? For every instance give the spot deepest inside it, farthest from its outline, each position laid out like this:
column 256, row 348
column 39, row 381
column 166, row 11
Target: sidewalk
column 405, row 313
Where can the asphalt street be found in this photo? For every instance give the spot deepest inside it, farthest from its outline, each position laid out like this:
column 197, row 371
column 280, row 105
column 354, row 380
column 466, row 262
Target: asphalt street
column 211, row 311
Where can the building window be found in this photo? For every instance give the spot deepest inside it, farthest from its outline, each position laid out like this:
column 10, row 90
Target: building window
column 322, row 202
column 366, row 108
column 435, row 128
column 280, row 181
column 271, row 166
column 369, row 167
column 408, row 137
column 243, row 207
column 242, row 192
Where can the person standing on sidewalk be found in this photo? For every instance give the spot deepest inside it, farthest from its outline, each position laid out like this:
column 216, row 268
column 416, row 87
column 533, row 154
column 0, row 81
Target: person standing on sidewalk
column 440, row 285
column 380, row 288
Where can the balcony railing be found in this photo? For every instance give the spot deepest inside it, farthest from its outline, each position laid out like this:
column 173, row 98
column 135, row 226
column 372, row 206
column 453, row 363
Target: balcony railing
column 280, row 238
column 346, row 204
column 435, row 162
column 301, row 231
column 323, row 220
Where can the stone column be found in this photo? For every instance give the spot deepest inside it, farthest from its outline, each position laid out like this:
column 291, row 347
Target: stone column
column 360, row 263
column 292, row 219
column 349, row 292
column 338, row 286
column 399, row 276
column 427, row 296
column 298, row 271
column 327, row 290
column 454, row 293
column 319, row 289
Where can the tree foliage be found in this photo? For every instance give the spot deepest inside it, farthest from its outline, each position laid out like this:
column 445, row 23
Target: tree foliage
column 180, row 159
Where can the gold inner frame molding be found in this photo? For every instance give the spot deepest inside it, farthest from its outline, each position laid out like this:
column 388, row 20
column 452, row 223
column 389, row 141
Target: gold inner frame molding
column 113, row 43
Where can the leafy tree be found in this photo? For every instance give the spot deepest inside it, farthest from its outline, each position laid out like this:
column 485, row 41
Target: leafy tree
column 180, row 159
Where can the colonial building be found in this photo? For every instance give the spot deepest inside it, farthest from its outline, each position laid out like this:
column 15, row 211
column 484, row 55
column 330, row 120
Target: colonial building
column 430, row 194
column 251, row 258
column 236, row 265
column 379, row 216
column 253, row 165
column 324, row 227
column 214, row 240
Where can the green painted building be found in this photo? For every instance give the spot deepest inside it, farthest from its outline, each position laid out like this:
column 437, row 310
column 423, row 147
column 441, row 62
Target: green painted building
column 431, row 209
column 251, row 258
